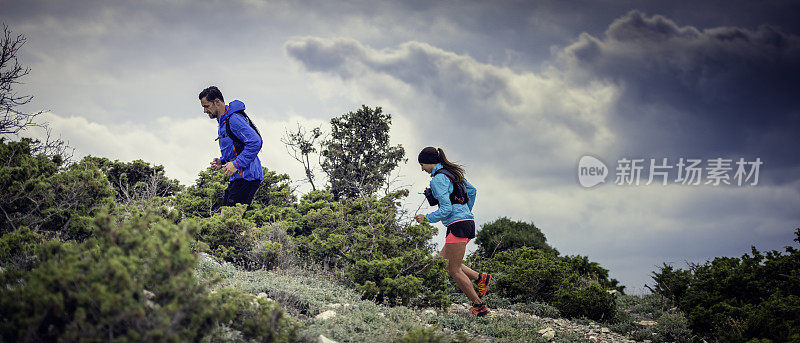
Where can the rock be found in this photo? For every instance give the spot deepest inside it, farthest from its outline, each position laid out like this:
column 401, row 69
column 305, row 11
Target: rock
column 647, row 322
column 548, row 333
column 429, row 312
column 561, row 322
column 326, row 315
column 323, row 339
column 148, row 294
column 605, row 330
column 613, row 292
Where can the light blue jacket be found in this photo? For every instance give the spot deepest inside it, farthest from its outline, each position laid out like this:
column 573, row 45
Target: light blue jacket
column 247, row 163
column 448, row 212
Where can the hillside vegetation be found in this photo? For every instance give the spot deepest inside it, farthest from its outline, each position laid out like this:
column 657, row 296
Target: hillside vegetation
column 100, row 249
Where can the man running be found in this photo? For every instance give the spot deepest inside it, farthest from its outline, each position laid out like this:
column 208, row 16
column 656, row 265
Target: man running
column 239, row 144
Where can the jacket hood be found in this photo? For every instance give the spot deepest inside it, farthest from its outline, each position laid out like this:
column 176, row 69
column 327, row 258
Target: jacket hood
column 235, row 106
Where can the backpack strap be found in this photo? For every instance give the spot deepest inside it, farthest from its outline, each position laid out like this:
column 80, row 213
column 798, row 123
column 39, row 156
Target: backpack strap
column 238, row 144
column 459, row 194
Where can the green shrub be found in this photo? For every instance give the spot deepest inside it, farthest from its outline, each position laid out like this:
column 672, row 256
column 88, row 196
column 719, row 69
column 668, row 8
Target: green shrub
column 739, row 299
column 673, row 327
column 204, row 198
column 504, row 234
column 527, row 274
column 361, row 238
column 41, row 193
column 132, row 281
column 256, row 318
column 16, row 248
column 670, row 283
column 590, row 301
column 423, row 336
column 135, row 180
column 229, row 236
column 592, row 270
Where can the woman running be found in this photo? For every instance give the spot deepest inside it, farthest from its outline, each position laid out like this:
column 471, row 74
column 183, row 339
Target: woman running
column 456, row 197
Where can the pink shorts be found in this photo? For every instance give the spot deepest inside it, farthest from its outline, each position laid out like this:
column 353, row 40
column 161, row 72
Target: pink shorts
column 453, row 239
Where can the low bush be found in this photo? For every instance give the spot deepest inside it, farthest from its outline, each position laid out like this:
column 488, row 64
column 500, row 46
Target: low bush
column 527, row 274
column 574, row 298
column 731, row 299
column 132, row 281
column 362, row 240
column 229, row 236
column 256, row 318
column 506, row 234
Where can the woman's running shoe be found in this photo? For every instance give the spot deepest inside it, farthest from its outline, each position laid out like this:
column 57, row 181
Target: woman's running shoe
column 483, row 284
column 479, row 310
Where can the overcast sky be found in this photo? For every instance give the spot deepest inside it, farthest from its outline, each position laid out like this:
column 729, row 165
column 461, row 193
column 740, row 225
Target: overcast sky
column 516, row 91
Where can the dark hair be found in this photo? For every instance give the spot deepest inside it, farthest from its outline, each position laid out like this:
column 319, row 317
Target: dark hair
column 212, row 93
column 457, row 170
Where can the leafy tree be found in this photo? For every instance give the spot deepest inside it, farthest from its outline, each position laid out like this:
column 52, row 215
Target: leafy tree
column 506, row 234
column 357, row 156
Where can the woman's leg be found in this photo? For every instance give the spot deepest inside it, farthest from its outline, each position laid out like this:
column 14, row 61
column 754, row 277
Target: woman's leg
column 454, row 254
column 471, row 274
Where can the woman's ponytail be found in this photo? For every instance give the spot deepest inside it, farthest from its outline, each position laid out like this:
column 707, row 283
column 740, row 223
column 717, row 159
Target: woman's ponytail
column 457, row 170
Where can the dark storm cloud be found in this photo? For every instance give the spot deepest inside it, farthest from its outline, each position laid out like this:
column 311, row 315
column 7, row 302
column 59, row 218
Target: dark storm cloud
column 526, row 116
column 723, row 91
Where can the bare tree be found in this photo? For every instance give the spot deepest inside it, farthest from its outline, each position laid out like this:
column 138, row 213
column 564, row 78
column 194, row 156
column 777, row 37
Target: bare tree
column 13, row 120
column 300, row 144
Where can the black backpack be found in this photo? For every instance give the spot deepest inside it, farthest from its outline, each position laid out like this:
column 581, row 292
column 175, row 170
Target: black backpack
column 238, row 145
column 459, row 194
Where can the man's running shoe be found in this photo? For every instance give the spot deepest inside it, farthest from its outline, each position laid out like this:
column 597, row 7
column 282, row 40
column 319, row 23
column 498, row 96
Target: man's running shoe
column 483, row 284
column 479, row 310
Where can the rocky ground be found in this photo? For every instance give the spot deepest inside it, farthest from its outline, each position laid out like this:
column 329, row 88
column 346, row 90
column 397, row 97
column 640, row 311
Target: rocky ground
column 591, row 332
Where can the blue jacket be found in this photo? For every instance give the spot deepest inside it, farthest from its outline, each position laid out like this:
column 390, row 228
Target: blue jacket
column 448, row 212
column 247, row 163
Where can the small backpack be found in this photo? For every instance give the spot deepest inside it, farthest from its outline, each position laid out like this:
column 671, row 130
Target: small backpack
column 459, row 194
column 238, row 145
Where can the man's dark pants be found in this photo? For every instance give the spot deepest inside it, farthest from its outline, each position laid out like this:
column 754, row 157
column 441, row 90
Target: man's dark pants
column 240, row 191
